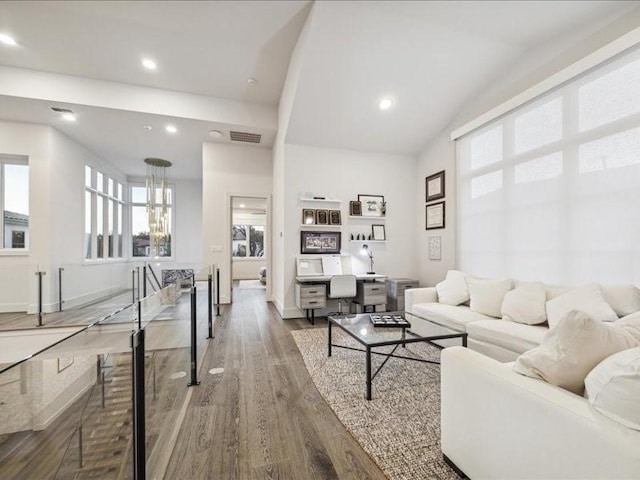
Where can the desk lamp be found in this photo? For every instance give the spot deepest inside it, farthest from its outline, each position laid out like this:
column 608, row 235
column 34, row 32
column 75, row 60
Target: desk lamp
column 367, row 251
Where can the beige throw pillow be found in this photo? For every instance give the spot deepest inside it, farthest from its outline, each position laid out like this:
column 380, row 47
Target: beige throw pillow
column 525, row 304
column 453, row 289
column 588, row 299
column 572, row 349
column 487, row 295
column 631, row 323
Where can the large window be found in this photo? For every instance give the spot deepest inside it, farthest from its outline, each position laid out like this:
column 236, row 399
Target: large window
column 551, row 191
column 140, row 235
column 103, row 198
column 14, row 203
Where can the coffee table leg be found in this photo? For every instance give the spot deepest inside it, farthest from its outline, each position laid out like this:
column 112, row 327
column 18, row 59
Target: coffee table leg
column 464, row 340
column 329, row 337
column 368, row 373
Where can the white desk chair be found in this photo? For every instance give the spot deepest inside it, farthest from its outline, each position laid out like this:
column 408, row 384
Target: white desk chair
column 342, row 287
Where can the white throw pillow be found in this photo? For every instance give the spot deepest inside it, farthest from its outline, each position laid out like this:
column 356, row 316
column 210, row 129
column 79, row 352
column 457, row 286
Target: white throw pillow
column 588, row 299
column 613, row 387
column 624, row 299
column 631, row 323
column 453, row 289
column 525, row 304
column 572, row 349
column 487, row 295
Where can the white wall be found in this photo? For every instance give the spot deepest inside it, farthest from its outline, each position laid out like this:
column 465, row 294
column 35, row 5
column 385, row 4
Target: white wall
column 229, row 170
column 532, row 68
column 344, row 174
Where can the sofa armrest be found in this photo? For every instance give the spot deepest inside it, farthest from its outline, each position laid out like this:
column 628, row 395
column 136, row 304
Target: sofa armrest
column 413, row 296
column 499, row 424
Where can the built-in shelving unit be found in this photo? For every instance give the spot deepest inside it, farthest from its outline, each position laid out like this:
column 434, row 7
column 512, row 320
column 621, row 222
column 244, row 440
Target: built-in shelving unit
column 313, row 226
column 320, row 200
column 368, row 241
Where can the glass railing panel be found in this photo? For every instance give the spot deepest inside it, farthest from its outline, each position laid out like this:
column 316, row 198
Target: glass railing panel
column 17, row 283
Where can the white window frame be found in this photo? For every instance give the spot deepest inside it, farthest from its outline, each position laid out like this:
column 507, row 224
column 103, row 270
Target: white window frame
column 11, row 160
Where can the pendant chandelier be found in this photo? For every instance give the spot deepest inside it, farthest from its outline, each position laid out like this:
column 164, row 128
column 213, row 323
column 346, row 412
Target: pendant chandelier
column 157, row 202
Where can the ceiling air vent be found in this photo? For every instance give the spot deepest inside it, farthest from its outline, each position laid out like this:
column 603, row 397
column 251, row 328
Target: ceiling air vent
column 61, row 110
column 245, row 137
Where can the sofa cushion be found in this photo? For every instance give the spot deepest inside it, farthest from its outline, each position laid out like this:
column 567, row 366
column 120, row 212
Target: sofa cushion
column 453, row 289
column 448, row 315
column 631, row 323
column 525, row 304
column 516, row 337
column 588, row 299
column 624, row 299
column 486, row 295
column 572, row 349
column 613, row 387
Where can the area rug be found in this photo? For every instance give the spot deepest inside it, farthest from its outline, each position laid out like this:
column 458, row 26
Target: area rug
column 250, row 284
column 400, row 427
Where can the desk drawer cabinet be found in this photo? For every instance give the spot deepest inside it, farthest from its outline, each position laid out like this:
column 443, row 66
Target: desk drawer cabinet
column 371, row 293
column 311, row 296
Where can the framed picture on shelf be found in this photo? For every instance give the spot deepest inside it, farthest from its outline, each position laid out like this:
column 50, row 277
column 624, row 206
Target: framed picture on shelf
column 372, row 205
column 435, row 216
column 434, row 186
column 377, row 232
column 320, row 242
column 308, row 216
column 355, row 208
column 335, row 218
column 322, row 217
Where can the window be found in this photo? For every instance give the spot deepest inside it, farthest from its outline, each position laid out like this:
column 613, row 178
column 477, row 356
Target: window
column 550, row 191
column 140, row 232
column 14, row 203
column 102, row 216
column 248, row 241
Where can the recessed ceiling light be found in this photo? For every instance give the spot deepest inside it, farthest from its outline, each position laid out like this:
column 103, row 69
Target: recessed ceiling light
column 171, row 129
column 147, row 127
column 215, row 134
column 242, row 205
column 385, row 103
column 149, row 64
column 69, row 117
column 252, row 81
column 7, row 40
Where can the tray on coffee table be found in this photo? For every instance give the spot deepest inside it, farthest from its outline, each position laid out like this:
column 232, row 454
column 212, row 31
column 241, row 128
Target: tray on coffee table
column 389, row 320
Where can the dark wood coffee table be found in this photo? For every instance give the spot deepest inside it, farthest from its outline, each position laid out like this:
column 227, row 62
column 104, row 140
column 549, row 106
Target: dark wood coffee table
column 364, row 332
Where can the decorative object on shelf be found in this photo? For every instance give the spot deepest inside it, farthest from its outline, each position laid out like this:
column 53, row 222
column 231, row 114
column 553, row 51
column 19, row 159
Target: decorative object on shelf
column 435, row 248
column 352, row 237
column 322, row 217
column 371, row 205
column 434, row 186
column 157, row 183
column 435, row 216
column 320, row 242
column 367, row 251
column 308, row 216
column 319, row 198
column 378, row 232
column 369, row 237
column 335, row 218
column 358, row 237
column 383, row 208
column 355, row 208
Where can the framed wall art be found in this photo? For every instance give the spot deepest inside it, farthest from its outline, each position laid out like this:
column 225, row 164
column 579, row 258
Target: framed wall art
column 435, row 216
column 355, row 208
column 308, row 216
column 322, row 217
column 335, row 218
column 378, row 233
column 372, row 205
column 434, row 186
column 320, row 242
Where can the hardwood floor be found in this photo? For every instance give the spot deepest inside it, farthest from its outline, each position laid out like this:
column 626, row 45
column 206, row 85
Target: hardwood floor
column 262, row 418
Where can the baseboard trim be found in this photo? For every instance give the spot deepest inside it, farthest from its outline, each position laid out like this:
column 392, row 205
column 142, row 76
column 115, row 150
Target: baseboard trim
column 454, row 467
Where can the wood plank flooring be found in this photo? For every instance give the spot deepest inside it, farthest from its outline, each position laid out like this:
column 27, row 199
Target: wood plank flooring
column 262, row 418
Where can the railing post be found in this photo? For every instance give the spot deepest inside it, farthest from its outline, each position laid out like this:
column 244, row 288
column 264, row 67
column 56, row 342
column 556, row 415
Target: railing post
column 133, row 285
column 80, row 462
column 60, row 270
column 139, row 455
column 139, row 315
column 138, row 274
column 217, row 292
column 144, row 281
column 39, row 275
column 194, row 340
column 210, row 304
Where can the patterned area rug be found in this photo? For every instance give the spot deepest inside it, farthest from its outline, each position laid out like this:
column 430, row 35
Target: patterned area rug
column 400, row 427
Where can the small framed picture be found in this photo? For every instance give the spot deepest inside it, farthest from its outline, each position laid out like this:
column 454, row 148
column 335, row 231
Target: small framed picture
column 434, row 186
column 355, row 208
column 308, row 216
column 377, row 232
column 372, row 205
column 322, row 217
column 435, row 216
column 320, row 242
column 335, row 218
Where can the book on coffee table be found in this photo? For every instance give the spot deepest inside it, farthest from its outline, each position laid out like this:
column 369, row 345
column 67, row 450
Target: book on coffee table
column 394, row 320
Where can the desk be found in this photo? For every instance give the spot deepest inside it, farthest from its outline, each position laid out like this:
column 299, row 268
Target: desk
column 311, row 291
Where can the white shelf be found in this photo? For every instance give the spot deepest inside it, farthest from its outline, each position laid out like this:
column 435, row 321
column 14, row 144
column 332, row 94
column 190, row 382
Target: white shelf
column 361, row 217
column 313, row 225
column 368, row 241
column 321, row 200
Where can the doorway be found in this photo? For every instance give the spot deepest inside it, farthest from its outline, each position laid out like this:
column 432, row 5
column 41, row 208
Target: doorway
column 249, row 243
